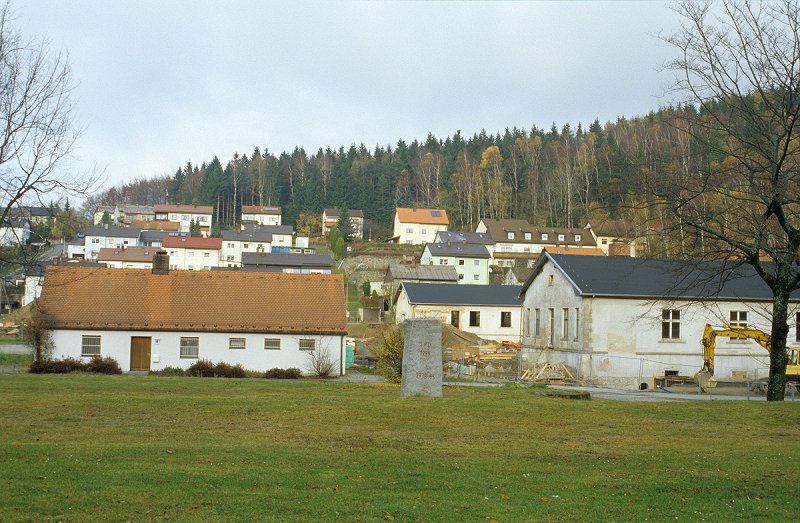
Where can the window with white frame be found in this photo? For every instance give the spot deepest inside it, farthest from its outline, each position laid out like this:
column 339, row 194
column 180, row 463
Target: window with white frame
column 184, row 217
column 90, row 345
column 307, row 344
column 190, row 346
column 577, row 237
column 237, row 343
column 527, row 236
column 476, row 262
column 476, row 277
column 738, row 319
column 561, row 237
column 230, row 246
column 510, row 235
column 206, row 254
column 272, row 344
column 545, row 236
column 424, row 231
column 670, row 324
column 461, row 262
column 505, row 318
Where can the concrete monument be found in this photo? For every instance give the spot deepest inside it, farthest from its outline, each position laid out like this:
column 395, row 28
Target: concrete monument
column 422, row 358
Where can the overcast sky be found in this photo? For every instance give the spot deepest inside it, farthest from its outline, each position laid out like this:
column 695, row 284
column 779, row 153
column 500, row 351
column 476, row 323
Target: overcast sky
column 164, row 82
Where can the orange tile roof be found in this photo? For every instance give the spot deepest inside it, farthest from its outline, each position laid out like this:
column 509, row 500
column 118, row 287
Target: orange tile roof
column 261, row 209
column 155, row 225
column 415, row 215
column 581, row 251
column 191, row 242
column 129, row 254
column 136, row 299
column 191, row 209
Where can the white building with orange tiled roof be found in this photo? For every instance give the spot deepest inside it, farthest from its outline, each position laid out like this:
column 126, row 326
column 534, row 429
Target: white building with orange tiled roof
column 261, row 215
column 417, row 226
column 192, row 253
column 150, row 320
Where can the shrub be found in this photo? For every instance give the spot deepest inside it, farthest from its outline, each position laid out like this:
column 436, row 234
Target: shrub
column 107, row 365
column 170, row 371
column 63, row 366
column 389, row 354
column 201, row 369
column 283, row 374
column 225, row 370
column 321, row 362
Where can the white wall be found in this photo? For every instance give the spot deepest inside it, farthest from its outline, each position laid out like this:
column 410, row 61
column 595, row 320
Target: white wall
column 118, row 264
column 262, row 219
column 619, row 340
column 193, row 259
column 93, row 244
column 165, row 349
column 420, row 232
column 489, row 327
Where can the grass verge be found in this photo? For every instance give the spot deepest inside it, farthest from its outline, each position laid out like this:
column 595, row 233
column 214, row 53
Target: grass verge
column 16, row 359
column 122, row 448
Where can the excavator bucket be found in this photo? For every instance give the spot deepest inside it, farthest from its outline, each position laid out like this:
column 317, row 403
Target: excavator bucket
column 705, row 380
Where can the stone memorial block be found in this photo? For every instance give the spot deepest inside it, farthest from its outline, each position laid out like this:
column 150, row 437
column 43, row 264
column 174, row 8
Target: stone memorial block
column 422, row 358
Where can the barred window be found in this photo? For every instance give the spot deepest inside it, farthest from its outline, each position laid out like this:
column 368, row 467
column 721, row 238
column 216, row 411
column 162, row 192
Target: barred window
column 308, row 344
column 272, row 344
column 190, row 347
column 90, row 346
column 237, row 343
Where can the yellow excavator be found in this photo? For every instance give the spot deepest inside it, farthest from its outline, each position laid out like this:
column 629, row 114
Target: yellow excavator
column 705, row 378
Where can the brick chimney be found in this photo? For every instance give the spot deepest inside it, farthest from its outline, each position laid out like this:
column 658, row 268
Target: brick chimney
column 161, row 262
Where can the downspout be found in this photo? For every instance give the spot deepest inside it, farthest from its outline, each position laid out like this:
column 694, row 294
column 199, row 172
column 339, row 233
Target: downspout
column 341, row 355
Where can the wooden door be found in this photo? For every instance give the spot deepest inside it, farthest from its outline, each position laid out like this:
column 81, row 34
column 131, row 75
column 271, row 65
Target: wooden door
column 140, row 353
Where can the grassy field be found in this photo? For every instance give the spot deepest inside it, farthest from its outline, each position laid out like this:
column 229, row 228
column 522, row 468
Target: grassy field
column 16, row 359
column 146, row 448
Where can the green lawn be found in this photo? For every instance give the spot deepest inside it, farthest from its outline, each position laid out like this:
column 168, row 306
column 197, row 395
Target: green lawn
column 123, row 448
column 16, row 359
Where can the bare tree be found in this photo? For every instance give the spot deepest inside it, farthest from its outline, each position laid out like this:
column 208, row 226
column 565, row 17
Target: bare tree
column 37, row 124
column 739, row 64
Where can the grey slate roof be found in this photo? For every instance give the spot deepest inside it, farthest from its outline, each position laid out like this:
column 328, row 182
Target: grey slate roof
column 353, row 213
column 498, row 230
column 421, row 272
column 286, row 259
column 480, row 238
column 464, row 250
column 257, row 233
column 159, row 235
column 619, row 276
column 113, row 231
column 444, row 294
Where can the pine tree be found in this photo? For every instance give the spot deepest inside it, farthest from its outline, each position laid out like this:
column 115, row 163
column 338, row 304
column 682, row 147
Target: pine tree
column 344, row 225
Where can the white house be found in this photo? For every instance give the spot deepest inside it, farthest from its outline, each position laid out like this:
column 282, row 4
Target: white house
column 517, row 238
column 418, row 226
column 185, row 215
column 15, row 232
column 330, row 217
column 149, row 320
column 287, row 262
column 489, row 311
column 127, row 258
column 620, row 321
column 124, row 214
column 261, row 215
column 254, row 239
column 113, row 236
column 192, row 253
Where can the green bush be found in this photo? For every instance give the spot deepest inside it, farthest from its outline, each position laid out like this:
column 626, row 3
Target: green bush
column 291, row 373
column 389, row 354
column 107, row 365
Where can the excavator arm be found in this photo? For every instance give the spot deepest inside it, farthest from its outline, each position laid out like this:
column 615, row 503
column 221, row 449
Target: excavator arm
column 705, row 378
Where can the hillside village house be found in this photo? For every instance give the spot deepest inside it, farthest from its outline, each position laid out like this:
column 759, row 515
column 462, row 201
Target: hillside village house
column 156, row 238
column 254, row 239
column 261, row 215
column 614, row 237
column 185, row 215
column 477, row 238
column 620, row 321
column 489, row 311
column 155, row 225
column 124, row 214
column 330, row 218
column 518, row 274
column 149, row 320
column 114, row 236
column 15, row 232
column 127, row 258
column 192, row 253
column 396, row 274
column 471, row 261
column 418, row 226
column 514, row 237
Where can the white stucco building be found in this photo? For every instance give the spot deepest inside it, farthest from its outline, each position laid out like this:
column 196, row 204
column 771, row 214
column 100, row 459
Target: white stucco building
column 149, row 320
column 186, row 214
column 489, row 311
column 15, row 232
column 192, row 253
column 109, row 236
column 620, row 321
column 261, row 215
column 417, row 226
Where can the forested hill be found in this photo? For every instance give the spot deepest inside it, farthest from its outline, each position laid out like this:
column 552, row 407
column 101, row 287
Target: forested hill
column 559, row 177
